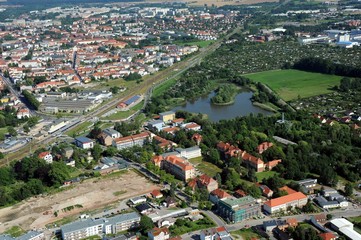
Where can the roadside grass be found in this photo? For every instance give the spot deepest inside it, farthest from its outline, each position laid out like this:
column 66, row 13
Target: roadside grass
column 264, row 175
column 208, row 168
column 160, row 89
column 79, row 130
column 15, row 231
column 118, row 193
column 200, row 44
column 293, row 84
column 245, row 233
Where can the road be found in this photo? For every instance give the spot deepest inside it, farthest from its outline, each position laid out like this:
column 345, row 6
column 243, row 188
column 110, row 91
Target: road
column 350, row 212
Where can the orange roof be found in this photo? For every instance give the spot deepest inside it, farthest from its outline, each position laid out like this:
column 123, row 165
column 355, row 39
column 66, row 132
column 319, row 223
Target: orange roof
column 156, row 231
column 192, row 183
column 287, row 189
column 156, row 193
column 285, row 199
column 178, row 120
column 327, row 236
column 183, row 164
column 292, row 221
column 192, row 125
column 43, row 154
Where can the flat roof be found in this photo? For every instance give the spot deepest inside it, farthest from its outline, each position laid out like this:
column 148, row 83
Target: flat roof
column 75, row 226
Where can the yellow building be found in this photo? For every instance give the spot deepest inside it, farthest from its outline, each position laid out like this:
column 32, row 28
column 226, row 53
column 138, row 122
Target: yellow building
column 5, row 100
column 167, row 116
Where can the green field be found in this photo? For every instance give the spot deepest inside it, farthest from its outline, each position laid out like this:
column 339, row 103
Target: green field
column 15, row 231
column 246, row 234
column 292, row 84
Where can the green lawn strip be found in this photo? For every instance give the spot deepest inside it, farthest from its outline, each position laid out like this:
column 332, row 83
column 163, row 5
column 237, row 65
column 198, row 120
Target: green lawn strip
column 15, row 231
column 246, row 234
column 264, row 175
column 183, row 226
column 201, row 44
column 292, row 84
column 79, row 130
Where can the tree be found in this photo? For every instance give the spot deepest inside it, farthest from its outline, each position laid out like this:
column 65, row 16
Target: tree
column 348, row 189
column 12, row 131
column 111, row 151
column 145, row 224
column 97, row 152
column 26, row 128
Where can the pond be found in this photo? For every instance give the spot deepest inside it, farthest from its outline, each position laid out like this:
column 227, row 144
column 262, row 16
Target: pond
column 242, row 106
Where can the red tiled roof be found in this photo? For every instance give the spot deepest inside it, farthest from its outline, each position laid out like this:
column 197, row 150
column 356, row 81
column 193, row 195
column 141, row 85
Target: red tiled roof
column 43, row 154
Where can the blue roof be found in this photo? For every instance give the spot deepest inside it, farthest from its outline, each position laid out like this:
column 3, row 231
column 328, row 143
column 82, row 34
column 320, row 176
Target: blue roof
column 132, row 99
column 83, row 139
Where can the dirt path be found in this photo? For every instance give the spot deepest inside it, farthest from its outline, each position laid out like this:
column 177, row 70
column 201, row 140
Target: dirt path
column 38, row 211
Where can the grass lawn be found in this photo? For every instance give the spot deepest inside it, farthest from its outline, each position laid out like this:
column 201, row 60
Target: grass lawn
column 262, row 175
column 15, row 231
column 201, row 44
column 246, row 234
column 208, row 168
column 291, row 84
column 78, row 130
column 196, row 161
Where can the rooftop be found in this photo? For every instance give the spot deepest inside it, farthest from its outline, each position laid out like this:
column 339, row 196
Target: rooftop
column 285, row 199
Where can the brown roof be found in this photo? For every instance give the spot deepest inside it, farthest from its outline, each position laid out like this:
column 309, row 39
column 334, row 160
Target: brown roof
column 156, row 231
column 220, row 193
column 287, row 189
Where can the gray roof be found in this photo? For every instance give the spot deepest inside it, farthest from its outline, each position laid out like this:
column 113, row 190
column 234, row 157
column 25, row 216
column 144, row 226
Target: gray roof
column 123, row 218
column 76, row 226
column 83, row 139
column 29, row 235
column 166, row 113
column 154, row 122
column 6, row 237
column 110, row 131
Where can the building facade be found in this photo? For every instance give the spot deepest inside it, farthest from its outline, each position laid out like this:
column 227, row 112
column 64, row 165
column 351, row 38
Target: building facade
column 236, row 210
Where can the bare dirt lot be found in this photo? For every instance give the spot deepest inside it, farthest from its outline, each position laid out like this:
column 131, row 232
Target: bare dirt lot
column 36, row 212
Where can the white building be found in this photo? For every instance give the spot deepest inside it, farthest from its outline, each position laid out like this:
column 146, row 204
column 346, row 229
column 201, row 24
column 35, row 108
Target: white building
column 84, row 142
column 345, row 227
column 189, row 153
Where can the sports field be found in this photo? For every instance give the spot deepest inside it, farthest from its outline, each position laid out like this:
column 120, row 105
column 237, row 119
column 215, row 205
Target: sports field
column 291, row 84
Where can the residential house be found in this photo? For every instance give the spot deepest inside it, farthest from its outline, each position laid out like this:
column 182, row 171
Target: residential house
column 266, row 191
column 240, row 193
column 307, row 185
column 46, row 156
column 293, row 200
column 68, row 152
column 191, row 126
column 144, row 208
column 218, row 194
column 263, row 147
column 112, row 133
column 236, row 210
column 23, row 113
column 197, row 138
column 105, row 139
column 84, row 142
column 170, row 202
column 156, row 193
column 205, row 181
column 159, row 234
column 219, row 233
column 327, row 236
